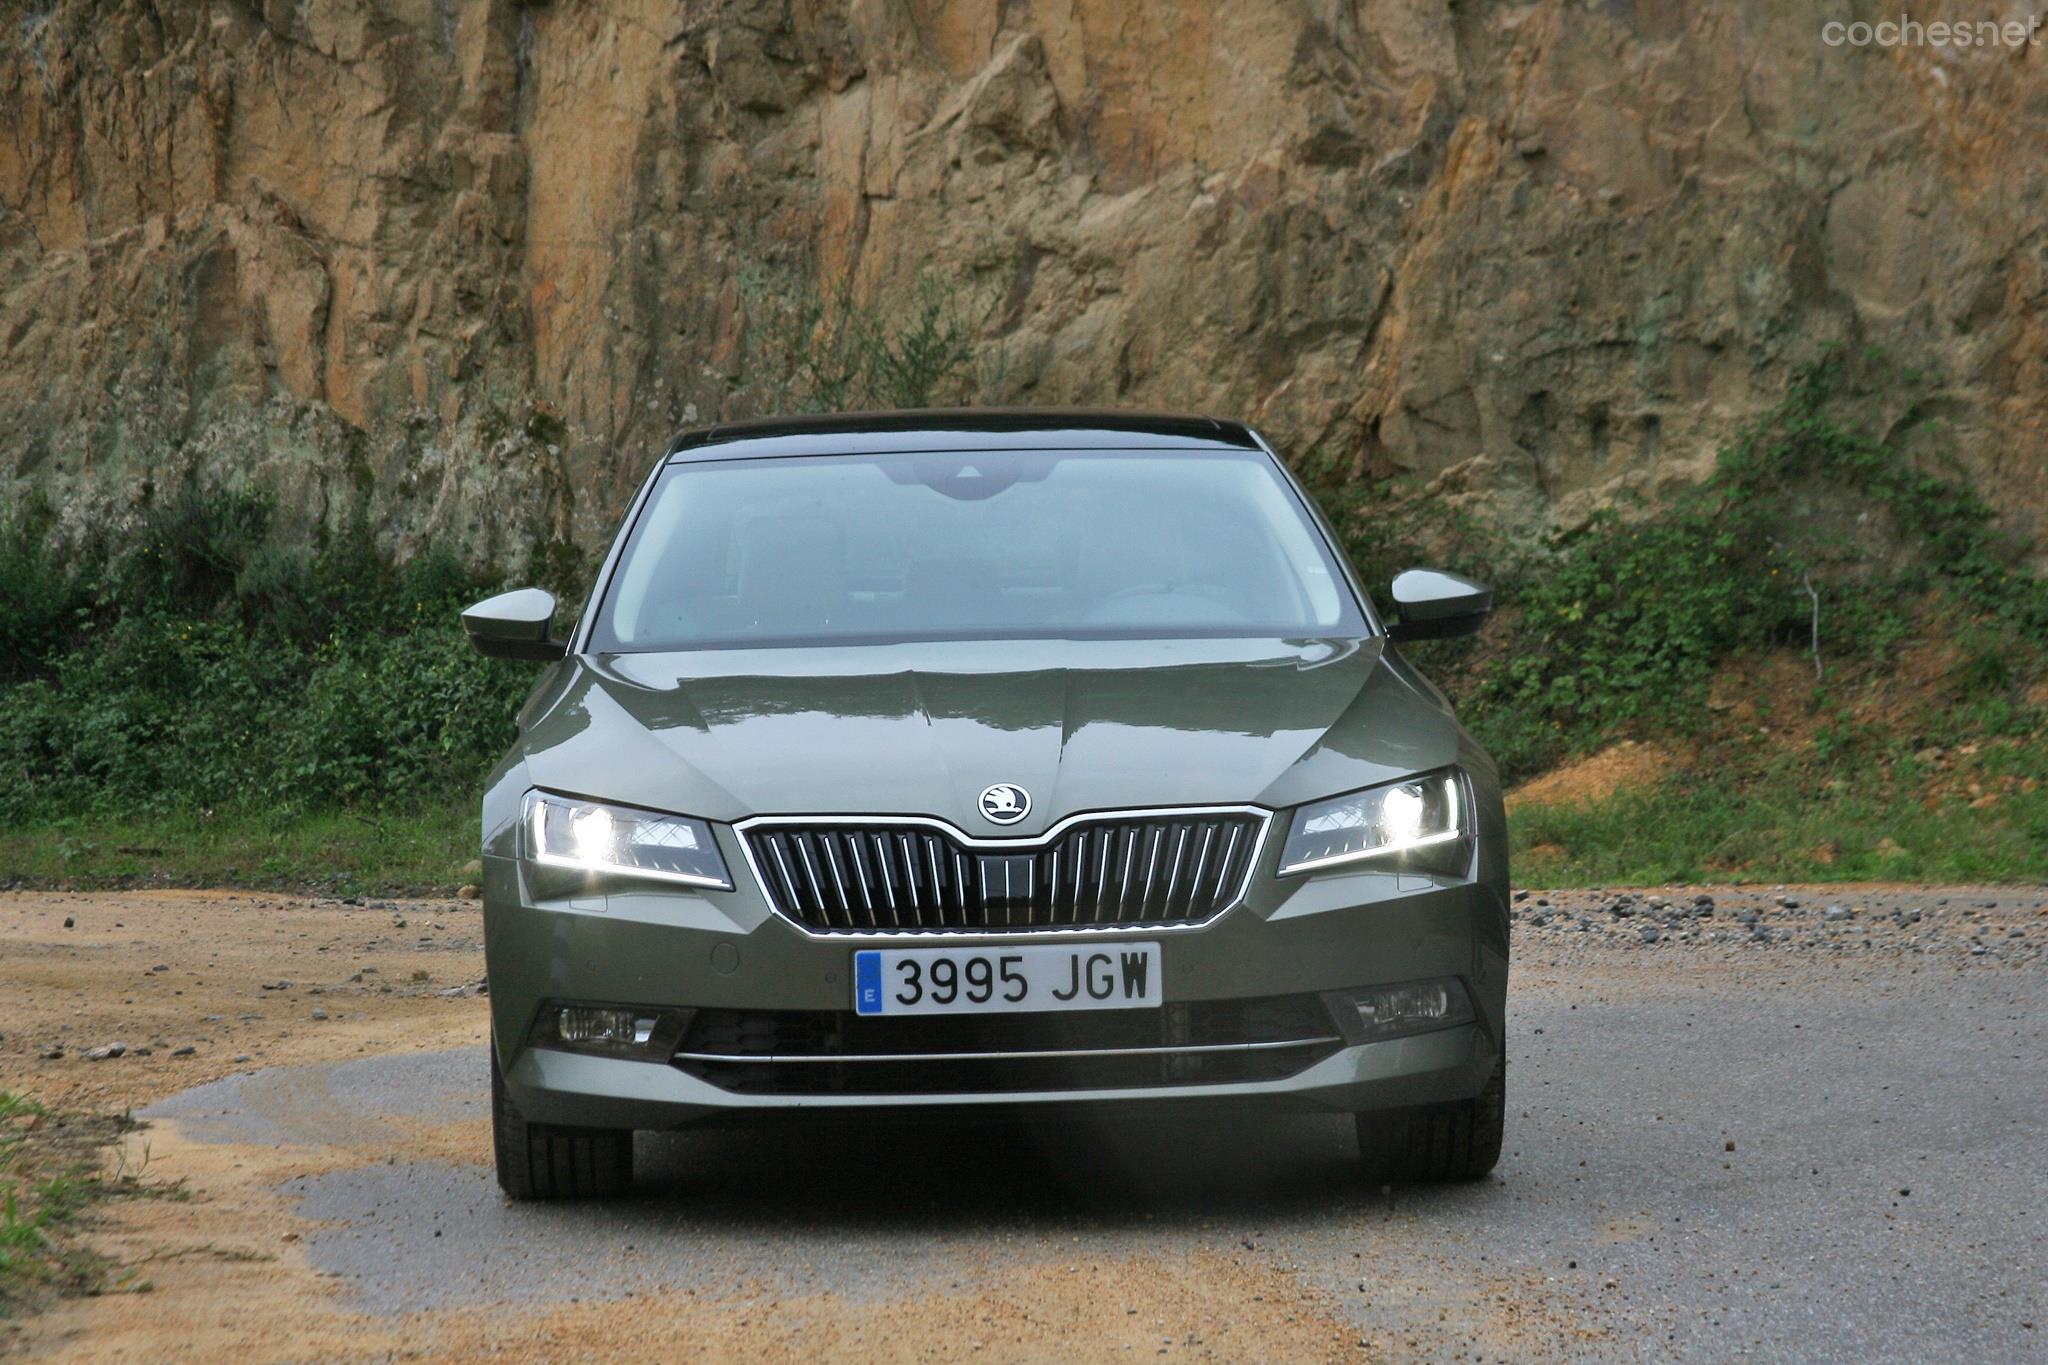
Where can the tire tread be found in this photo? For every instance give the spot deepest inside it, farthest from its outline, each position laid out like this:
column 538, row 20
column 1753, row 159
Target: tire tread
column 1451, row 1142
column 539, row 1161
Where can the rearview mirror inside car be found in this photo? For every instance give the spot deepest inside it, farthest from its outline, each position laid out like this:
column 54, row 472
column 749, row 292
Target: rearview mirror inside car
column 1435, row 605
column 514, row 625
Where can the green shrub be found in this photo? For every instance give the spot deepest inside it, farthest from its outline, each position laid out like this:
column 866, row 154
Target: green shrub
column 1619, row 624
column 42, row 597
column 215, row 669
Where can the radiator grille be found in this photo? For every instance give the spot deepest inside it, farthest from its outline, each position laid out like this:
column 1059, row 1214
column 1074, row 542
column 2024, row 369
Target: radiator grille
column 862, row 878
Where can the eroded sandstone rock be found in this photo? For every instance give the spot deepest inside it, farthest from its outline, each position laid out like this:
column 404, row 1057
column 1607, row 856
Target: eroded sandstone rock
column 471, row 263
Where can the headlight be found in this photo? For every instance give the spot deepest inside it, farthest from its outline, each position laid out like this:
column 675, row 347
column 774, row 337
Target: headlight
column 1379, row 822
column 591, row 836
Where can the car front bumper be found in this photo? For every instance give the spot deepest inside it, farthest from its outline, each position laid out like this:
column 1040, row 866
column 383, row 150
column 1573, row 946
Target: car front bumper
column 669, row 947
column 607, row 1092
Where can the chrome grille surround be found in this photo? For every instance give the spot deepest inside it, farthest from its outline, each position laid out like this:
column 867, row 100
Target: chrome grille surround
column 892, row 876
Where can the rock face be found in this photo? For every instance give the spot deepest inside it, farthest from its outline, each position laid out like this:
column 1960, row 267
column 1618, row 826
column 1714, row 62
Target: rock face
column 463, row 265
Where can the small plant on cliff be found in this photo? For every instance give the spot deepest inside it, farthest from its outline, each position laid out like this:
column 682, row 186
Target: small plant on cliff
column 1620, row 622
column 825, row 349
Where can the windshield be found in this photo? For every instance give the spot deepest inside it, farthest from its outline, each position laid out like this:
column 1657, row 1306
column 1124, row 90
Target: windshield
column 972, row 545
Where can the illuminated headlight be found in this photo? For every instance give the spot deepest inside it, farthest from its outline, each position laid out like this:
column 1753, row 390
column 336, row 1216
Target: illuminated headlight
column 1377, row 823
column 590, row 836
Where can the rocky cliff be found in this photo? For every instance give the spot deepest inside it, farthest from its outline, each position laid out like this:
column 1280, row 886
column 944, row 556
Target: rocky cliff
column 466, row 263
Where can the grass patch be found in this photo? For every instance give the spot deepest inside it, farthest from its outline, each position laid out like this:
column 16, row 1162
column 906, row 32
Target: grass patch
column 343, row 853
column 1903, row 818
column 53, row 1169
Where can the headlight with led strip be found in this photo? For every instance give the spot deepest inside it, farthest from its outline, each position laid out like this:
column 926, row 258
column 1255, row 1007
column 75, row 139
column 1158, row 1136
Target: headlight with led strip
column 1418, row 819
column 595, row 836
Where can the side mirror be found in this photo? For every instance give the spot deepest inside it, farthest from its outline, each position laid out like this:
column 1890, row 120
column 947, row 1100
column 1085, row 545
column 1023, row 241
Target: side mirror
column 514, row 625
column 1435, row 605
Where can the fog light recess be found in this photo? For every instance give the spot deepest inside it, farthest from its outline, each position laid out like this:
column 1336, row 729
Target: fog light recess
column 611, row 1030
column 1412, row 1007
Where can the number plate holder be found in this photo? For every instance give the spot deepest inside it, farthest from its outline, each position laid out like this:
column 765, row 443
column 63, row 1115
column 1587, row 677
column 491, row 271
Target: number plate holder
column 1004, row 979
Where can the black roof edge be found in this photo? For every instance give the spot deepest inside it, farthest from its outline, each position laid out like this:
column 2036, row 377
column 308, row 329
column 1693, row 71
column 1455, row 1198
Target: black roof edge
column 968, row 421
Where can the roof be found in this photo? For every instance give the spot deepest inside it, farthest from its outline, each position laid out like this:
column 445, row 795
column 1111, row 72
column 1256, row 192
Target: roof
column 960, row 429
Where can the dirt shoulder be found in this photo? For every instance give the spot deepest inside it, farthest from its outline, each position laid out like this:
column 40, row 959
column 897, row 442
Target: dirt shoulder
column 242, row 980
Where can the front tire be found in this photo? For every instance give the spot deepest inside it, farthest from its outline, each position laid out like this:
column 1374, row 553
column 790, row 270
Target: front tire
column 1441, row 1143
column 538, row 1161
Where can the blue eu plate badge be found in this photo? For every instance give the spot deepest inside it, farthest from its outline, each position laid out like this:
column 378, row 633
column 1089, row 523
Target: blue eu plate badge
column 867, row 982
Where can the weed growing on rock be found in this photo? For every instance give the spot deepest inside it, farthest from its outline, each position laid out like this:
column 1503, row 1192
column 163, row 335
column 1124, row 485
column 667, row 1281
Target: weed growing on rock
column 1618, row 624
column 813, row 349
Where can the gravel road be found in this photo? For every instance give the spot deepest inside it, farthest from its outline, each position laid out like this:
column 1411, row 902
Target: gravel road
column 1815, row 1136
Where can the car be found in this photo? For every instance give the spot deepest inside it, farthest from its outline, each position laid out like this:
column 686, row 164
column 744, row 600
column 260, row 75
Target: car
column 954, row 762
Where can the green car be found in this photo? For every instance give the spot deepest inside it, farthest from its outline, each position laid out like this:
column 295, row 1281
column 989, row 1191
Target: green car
column 959, row 761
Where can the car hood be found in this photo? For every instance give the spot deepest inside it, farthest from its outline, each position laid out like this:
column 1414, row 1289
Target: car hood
column 922, row 729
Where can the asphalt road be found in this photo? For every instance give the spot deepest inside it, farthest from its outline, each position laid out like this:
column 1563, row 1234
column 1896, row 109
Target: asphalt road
column 1818, row 1150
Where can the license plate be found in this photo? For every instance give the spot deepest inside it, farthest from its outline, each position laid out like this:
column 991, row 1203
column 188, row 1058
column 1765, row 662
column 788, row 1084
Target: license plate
column 1057, row 976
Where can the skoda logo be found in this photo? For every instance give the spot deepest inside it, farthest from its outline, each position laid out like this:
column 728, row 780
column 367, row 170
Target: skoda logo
column 1005, row 803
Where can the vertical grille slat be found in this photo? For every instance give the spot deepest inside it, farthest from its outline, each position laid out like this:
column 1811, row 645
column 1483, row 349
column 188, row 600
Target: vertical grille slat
column 1151, row 870
column 858, row 876
column 862, row 882
column 1080, row 876
column 1201, row 862
column 1180, row 848
column 1131, row 837
column 931, row 858
column 1104, row 868
column 784, row 858
column 809, row 865
column 831, row 842
column 888, row 878
column 910, row 878
column 1223, row 878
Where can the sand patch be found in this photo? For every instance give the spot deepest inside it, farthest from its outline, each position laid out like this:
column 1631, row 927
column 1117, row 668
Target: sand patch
column 1620, row 767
